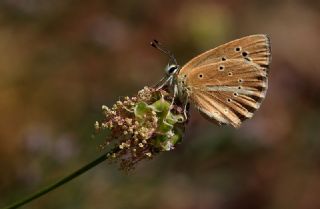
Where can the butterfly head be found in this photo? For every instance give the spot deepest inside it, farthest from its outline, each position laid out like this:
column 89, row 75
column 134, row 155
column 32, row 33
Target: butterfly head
column 171, row 69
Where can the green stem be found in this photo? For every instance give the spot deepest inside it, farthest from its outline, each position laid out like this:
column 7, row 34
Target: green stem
column 60, row 182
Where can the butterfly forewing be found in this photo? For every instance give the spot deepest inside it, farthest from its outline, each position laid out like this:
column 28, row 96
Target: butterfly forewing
column 254, row 48
column 227, row 92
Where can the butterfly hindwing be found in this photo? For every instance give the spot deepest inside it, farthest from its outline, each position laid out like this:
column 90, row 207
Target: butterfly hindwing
column 227, row 92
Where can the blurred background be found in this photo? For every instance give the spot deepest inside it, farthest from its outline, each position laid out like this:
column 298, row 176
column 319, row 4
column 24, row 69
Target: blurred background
column 60, row 60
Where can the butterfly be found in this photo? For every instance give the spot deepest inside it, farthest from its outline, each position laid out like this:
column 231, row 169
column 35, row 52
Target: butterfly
column 226, row 84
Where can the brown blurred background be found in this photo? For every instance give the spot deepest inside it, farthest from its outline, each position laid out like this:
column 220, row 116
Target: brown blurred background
column 60, row 60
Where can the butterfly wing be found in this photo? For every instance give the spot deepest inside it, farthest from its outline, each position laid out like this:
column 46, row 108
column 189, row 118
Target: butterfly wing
column 227, row 92
column 254, row 48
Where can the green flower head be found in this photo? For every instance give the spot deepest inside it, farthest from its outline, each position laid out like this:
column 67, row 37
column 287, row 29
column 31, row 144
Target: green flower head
column 140, row 127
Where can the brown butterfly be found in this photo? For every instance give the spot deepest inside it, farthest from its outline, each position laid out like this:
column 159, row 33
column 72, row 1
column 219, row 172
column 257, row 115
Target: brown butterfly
column 227, row 83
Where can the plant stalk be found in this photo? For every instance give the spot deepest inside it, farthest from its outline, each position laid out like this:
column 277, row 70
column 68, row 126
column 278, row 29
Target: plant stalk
column 60, row 182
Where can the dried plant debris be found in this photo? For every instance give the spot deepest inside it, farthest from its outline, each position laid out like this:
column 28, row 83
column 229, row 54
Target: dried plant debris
column 139, row 127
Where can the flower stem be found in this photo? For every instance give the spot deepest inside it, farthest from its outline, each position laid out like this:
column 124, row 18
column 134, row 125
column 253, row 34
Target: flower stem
column 60, row 182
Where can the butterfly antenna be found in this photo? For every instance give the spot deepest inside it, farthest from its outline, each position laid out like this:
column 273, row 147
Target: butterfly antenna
column 156, row 44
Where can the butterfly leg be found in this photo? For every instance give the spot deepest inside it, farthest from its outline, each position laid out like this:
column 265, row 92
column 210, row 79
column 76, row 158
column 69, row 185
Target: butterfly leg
column 175, row 94
column 185, row 108
column 185, row 103
column 162, row 82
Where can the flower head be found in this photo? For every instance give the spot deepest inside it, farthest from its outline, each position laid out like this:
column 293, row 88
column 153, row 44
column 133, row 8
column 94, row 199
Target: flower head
column 140, row 127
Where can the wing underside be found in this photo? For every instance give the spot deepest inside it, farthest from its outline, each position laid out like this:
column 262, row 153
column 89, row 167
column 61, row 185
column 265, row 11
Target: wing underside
column 228, row 92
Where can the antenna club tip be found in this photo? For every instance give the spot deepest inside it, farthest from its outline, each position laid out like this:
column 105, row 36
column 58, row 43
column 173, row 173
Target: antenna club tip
column 156, row 44
column 152, row 44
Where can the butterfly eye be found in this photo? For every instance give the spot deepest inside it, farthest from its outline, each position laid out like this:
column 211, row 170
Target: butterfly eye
column 172, row 69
